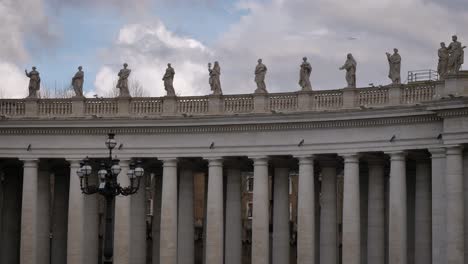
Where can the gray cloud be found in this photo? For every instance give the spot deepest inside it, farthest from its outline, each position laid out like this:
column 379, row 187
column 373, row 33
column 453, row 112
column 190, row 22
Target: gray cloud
column 281, row 32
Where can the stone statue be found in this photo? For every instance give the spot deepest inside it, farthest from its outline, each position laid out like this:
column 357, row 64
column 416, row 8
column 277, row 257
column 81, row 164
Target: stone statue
column 394, row 61
column 456, row 56
column 350, row 67
column 122, row 84
column 442, row 66
column 260, row 72
column 304, row 75
column 215, row 82
column 168, row 79
column 77, row 82
column 34, row 82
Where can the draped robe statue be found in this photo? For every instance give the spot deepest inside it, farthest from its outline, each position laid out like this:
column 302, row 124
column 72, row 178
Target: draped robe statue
column 77, row 82
column 168, row 79
column 34, row 82
column 304, row 75
column 442, row 66
column 122, row 84
column 350, row 67
column 394, row 62
column 260, row 72
column 456, row 56
column 215, row 82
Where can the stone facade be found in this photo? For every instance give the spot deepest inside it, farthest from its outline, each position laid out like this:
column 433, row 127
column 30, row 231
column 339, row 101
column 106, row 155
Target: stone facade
column 367, row 175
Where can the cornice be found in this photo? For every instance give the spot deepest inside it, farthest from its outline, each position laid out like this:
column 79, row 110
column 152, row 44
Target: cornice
column 218, row 128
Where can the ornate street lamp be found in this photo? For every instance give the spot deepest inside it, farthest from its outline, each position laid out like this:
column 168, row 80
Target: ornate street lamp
column 109, row 188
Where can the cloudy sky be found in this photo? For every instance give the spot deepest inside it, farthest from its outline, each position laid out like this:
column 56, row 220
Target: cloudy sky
column 59, row 35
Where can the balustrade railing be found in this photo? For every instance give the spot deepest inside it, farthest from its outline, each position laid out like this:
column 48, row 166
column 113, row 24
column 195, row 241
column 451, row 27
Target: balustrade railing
column 192, row 105
column 238, row 103
column 141, row 106
column 325, row 100
column 417, row 93
column 54, row 107
column 373, row 96
column 283, row 102
column 12, row 107
column 104, row 106
column 328, row 100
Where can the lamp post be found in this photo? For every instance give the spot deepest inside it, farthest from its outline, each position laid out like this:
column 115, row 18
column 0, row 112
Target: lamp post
column 109, row 188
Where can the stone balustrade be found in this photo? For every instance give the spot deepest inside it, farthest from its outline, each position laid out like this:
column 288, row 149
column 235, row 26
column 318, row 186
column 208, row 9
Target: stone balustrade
column 324, row 100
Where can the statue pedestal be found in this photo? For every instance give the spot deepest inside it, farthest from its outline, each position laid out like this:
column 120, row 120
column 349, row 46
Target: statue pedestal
column 30, row 107
column 456, row 85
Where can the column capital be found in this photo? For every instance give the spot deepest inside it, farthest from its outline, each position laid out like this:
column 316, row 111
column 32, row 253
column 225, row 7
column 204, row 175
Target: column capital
column 305, row 159
column 397, row 155
column 30, row 162
column 74, row 163
column 259, row 160
column 350, row 157
column 215, row 161
column 454, row 150
column 169, row 162
column 437, row 152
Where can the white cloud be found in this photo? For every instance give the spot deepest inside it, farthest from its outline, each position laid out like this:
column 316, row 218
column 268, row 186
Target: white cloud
column 147, row 48
column 14, row 83
column 20, row 20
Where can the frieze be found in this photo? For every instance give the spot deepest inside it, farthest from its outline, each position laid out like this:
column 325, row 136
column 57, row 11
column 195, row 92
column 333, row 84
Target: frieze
column 231, row 128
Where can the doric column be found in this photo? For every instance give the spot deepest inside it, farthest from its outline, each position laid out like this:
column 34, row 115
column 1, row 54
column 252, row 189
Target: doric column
column 438, row 206
column 397, row 232
column 422, row 226
column 35, row 209
column 233, row 232
column 156, row 225
column 82, row 235
column 280, row 244
column 351, row 210
column 260, row 219
column 465, row 187
column 214, row 213
column 306, row 212
column 168, row 231
column 328, row 221
column 138, row 223
column 185, row 231
column 122, row 220
column 455, row 207
column 376, row 213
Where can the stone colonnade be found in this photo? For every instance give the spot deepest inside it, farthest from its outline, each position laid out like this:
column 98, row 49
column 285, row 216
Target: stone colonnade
column 374, row 216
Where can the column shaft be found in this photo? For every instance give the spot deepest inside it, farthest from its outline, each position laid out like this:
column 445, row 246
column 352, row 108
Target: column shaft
column 32, row 215
column 185, row 245
column 233, row 234
column 156, row 230
column 351, row 211
column 138, row 224
column 260, row 218
column 397, row 210
column 306, row 212
column 82, row 234
column 168, row 231
column 455, row 207
column 122, row 220
column 438, row 206
column 376, row 214
column 214, row 213
column 280, row 252
column 422, row 227
column 328, row 224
